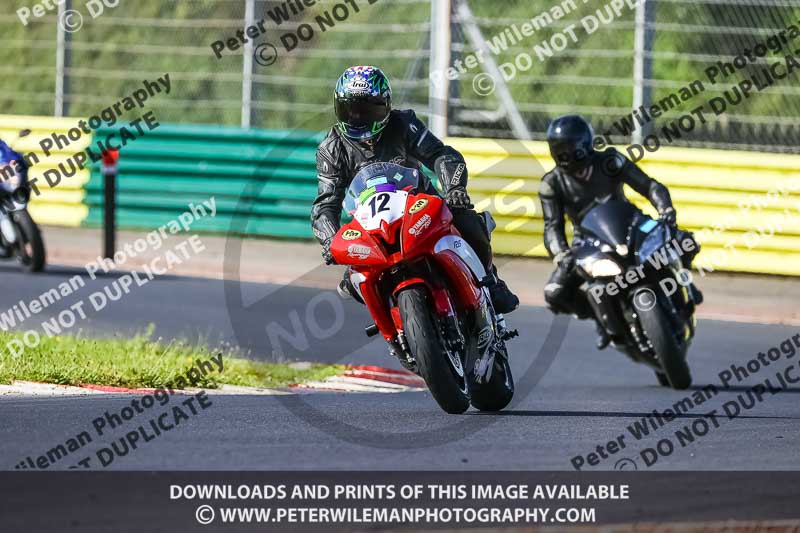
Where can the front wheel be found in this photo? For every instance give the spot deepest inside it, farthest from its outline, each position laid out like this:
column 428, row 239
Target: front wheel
column 443, row 375
column 498, row 392
column 659, row 332
column 30, row 247
column 662, row 380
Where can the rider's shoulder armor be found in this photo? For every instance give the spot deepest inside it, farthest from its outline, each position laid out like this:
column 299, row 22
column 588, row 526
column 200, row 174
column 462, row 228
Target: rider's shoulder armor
column 330, row 145
column 612, row 160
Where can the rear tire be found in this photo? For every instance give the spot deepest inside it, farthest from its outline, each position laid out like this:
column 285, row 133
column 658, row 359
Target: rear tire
column 658, row 329
column 447, row 388
column 662, row 380
column 497, row 394
column 31, row 252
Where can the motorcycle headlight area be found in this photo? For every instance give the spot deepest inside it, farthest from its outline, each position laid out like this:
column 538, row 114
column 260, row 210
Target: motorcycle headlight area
column 600, row 268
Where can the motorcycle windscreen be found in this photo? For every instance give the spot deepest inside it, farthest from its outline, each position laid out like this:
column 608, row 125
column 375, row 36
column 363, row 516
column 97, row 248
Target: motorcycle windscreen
column 610, row 222
column 654, row 236
column 376, row 178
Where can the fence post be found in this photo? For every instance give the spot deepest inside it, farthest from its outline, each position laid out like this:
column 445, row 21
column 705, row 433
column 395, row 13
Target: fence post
column 439, row 85
column 643, row 63
column 247, row 67
column 110, row 159
column 61, row 106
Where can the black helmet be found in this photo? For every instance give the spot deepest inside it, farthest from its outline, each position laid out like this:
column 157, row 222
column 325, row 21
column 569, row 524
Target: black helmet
column 362, row 100
column 570, row 139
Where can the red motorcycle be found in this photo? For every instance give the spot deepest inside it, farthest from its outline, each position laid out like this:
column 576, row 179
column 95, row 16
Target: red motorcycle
column 425, row 289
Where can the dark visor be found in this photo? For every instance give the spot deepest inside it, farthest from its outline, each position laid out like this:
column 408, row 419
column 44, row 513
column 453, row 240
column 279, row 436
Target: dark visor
column 360, row 113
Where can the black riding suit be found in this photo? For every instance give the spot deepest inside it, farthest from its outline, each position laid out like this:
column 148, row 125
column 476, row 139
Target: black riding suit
column 405, row 141
column 562, row 194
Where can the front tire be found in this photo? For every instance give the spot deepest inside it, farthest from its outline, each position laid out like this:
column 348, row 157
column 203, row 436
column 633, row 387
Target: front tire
column 662, row 380
column 660, row 333
column 446, row 386
column 30, row 251
column 498, row 392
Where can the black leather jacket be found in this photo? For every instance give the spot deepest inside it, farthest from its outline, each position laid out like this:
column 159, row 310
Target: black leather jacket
column 405, row 141
column 562, row 194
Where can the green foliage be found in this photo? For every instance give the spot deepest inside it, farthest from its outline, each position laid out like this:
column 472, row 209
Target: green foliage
column 140, row 362
column 144, row 39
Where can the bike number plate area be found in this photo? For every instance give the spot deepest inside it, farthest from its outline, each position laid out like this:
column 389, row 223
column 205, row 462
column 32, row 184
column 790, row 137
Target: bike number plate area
column 381, row 207
column 648, row 225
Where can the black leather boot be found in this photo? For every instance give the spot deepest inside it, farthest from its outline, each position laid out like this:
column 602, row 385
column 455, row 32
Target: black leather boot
column 503, row 300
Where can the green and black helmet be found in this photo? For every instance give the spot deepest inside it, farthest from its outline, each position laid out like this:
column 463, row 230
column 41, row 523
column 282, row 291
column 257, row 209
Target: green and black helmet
column 362, row 100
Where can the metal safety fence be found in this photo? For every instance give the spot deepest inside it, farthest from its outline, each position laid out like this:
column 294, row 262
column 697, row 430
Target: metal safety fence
column 503, row 69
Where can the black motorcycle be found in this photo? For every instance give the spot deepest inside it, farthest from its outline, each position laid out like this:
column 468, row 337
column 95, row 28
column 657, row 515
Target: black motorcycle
column 638, row 287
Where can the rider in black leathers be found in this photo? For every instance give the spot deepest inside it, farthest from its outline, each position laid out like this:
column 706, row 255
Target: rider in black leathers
column 369, row 131
column 581, row 177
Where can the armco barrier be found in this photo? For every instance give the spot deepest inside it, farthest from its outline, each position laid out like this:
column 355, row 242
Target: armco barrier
column 173, row 165
column 162, row 172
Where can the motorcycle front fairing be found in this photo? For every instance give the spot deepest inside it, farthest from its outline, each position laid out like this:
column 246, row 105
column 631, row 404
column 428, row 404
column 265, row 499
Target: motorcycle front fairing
column 14, row 196
column 653, row 245
column 603, row 253
column 610, row 222
column 390, row 241
column 402, row 238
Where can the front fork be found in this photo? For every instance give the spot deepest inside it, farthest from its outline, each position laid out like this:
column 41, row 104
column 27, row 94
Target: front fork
column 7, row 228
column 492, row 334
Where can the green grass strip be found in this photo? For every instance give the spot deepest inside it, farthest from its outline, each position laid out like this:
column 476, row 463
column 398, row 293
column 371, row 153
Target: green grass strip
column 141, row 362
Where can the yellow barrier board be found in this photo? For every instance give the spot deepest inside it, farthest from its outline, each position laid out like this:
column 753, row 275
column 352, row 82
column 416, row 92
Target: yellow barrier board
column 63, row 204
column 743, row 206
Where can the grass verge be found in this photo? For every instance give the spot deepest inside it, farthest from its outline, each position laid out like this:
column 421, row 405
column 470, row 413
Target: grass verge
column 140, row 362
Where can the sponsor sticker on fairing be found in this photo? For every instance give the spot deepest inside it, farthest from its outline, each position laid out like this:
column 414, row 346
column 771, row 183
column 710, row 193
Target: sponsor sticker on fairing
column 351, row 234
column 418, row 206
column 359, row 251
column 421, row 225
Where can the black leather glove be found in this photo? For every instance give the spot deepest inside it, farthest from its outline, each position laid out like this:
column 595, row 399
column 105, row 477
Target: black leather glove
column 669, row 216
column 457, row 198
column 326, row 252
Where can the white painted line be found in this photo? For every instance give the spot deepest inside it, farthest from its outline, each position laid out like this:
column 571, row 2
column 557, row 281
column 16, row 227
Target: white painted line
column 32, row 388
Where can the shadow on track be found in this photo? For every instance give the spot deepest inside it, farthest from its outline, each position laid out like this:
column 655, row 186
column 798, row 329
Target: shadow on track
column 602, row 414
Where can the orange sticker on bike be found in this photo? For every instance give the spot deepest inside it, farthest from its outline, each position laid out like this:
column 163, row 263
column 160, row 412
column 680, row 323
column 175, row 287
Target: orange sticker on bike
column 351, row 234
column 418, row 206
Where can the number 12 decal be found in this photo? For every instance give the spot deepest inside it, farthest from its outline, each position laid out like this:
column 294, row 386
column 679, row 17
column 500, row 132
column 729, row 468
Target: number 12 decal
column 383, row 198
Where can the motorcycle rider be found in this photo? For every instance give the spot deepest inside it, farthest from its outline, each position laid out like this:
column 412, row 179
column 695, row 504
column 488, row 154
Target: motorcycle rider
column 369, row 131
column 12, row 162
column 9, row 156
column 581, row 177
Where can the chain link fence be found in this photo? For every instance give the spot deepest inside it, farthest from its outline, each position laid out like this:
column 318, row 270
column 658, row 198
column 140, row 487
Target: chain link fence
column 543, row 58
column 594, row 72
column 112, row 53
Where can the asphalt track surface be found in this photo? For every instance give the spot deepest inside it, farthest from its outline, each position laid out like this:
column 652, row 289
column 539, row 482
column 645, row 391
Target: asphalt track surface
column 570, row 397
